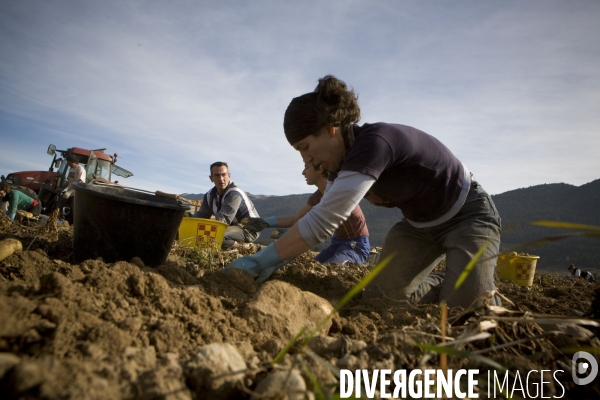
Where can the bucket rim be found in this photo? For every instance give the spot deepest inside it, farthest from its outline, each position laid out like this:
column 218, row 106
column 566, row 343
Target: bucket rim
column 95, row 191
column 509, row 256
column 205, row 219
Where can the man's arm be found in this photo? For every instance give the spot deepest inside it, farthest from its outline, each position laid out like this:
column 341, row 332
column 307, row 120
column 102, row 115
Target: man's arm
column 79, row 177
column 11, row 212
column 229, row 207
column 80, row 174
column 204, row 211
column 287, row 222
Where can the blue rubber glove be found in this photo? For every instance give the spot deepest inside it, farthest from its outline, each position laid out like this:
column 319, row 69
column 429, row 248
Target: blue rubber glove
column 258, row 224
column 260, row 265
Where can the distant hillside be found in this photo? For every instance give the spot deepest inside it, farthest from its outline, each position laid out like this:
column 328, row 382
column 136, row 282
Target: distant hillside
column 192, row 196
column 555, row 202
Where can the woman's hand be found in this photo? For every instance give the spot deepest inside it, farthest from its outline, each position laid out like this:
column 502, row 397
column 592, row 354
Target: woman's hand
column 260, row 265
column 258, row 224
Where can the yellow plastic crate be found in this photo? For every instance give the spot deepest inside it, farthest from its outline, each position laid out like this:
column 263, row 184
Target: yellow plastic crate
column 517, row 268
column 201, row 233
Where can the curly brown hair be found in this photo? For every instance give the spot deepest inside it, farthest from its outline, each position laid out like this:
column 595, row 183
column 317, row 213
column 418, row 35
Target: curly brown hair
column 336, row 104
column 5, row 187
column 332, row 103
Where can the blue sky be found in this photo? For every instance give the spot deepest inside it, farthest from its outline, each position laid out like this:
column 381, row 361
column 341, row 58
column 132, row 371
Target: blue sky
column 511, row 87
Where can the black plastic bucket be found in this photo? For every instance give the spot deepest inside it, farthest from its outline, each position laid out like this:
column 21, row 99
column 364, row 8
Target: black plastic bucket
column 118, row 224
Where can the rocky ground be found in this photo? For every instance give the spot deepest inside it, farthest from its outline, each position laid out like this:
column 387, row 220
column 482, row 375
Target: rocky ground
column 121, row 330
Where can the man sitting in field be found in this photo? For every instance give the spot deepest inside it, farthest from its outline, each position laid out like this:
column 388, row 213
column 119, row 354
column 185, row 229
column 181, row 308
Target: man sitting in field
column 576, row 272
column 230, row 204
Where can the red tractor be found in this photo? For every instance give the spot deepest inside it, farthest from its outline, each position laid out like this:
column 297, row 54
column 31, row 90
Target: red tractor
column 49, row 184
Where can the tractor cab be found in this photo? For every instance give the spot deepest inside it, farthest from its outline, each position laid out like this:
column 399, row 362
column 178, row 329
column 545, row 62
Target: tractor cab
column 98, row 165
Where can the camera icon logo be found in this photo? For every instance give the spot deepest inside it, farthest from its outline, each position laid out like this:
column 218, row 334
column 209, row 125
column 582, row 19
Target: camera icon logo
column 583, row 367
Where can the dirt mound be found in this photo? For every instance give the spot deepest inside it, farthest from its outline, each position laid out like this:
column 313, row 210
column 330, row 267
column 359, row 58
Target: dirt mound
column 99, row 330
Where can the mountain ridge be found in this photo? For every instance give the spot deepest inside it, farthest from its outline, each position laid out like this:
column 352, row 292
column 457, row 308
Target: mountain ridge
column 518, row 208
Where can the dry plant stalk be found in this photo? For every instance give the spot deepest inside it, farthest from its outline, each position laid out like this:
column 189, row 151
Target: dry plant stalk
column 443, row 322
column 48, row 231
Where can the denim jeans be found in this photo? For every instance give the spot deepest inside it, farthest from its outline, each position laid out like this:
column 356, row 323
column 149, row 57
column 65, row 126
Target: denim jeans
column 235, row 233
column 418, row 250
column 343, row 250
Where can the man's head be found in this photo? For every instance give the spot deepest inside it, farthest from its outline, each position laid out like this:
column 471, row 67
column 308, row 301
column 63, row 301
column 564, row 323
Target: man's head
column 220, row 176
column 313, row 176
column 4, row 189
column 72, row 160
column 571, row 267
